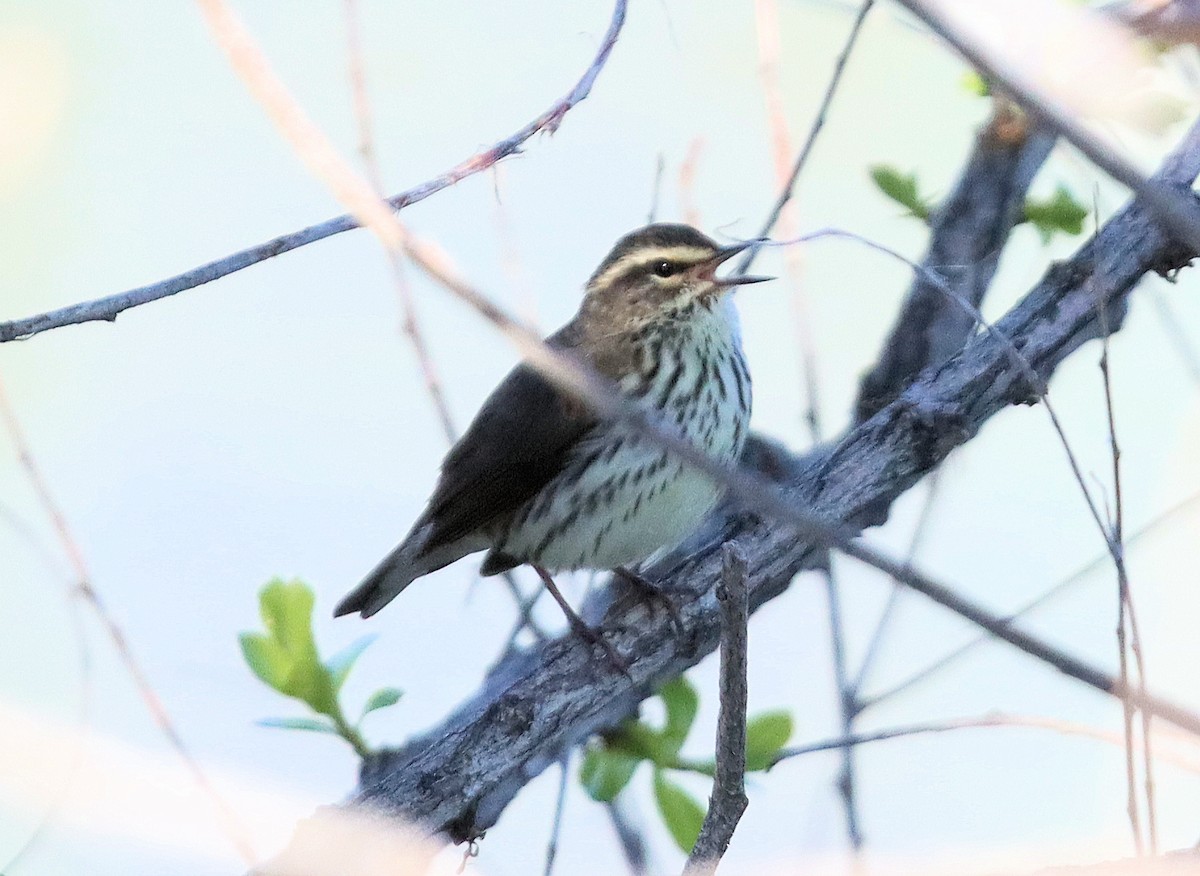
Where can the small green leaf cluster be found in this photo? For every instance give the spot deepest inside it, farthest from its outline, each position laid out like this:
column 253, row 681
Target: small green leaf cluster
column 285, row 658
column 1058, row 214
column 610, row 762
column 902, row 188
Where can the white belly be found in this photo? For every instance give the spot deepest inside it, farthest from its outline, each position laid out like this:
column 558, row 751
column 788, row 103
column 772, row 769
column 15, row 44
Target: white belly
column 621, row 498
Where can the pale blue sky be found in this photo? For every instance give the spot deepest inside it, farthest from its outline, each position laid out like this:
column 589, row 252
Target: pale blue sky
column 273, row 423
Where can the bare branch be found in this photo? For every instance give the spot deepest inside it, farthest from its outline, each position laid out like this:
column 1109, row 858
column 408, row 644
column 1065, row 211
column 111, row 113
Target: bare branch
column 109, row 307
column 789, row 187
column 1175, row 211
column 728, row 799
column 229, row 821
column 1062, row 586
column 967, row 235
column 633, row 844
column 991, row 720
column 461, row 775
column 559, row 807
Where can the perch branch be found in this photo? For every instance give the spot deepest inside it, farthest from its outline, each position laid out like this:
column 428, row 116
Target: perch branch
column 728, row 799
column 461, row 774
column 967, row 235
column 460, row 777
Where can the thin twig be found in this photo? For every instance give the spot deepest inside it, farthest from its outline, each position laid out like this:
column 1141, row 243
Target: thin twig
column 510, row 254
column 109, row 307
column 234, row 831
column 744, row 487
column 411, row 324
column 1165, row 310
column 75, row 758
column 766, row 16
column 629, row 835
column 875, row 641
column 728, row 799
column 1177, row 211
column 784, row 214
column 559, row 806
column 656, row 189
column 855, row 481
column 1079, row 575
column 1066, row 728
column 1126, row 619
column 687, row 183
column 789, row 187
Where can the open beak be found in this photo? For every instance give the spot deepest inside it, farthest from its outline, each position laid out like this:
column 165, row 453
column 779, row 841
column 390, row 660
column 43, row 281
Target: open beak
column 724, row 255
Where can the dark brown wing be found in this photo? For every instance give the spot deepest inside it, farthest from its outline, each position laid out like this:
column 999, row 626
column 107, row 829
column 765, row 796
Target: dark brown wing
column 518, row 442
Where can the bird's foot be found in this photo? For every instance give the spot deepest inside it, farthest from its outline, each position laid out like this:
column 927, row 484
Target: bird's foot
column 653, row 594
column 580, row 628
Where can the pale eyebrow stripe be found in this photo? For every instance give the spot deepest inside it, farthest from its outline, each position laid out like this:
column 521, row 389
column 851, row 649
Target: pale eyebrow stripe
column 642, row 258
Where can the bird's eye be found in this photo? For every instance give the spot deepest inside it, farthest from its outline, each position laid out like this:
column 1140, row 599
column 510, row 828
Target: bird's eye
column 664, row 269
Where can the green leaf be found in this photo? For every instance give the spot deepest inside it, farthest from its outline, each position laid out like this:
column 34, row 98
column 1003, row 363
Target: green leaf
column 313, row 724
column 286, row 608
column 973, row 82
column 605, row 773
column 902, row 188
column 681, row 702
column 681, row 813
column 340, row 664
column 766, row 733
column 1060, row 213
column 381, row 699
column 269, row 662
column 638, row 740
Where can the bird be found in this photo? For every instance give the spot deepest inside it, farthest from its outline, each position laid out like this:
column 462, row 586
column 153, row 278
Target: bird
column 538, row 479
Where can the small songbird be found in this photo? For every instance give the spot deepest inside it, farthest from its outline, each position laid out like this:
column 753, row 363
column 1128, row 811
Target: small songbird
column 538, row 479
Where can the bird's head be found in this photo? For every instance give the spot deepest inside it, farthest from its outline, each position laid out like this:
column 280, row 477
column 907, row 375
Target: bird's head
column 660, row 273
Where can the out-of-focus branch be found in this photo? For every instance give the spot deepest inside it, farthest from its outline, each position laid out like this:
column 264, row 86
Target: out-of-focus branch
column 1176, row 212
column 789, row 187
column 460, row 775
column 109, row 307
column 411, row 323
column 728, row 799
column 967, row 235
column 991, row 720
column 229, row 820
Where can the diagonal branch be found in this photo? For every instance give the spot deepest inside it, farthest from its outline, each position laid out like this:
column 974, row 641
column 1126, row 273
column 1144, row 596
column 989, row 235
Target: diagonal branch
column 109, row 307
column 967, row 235
column 461, row 774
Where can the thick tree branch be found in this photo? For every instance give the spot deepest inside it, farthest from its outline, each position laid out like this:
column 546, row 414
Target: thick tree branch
column 967, row 235
column 109, row 307
column 728, row 799
column 1179, row 214
column 460, row 775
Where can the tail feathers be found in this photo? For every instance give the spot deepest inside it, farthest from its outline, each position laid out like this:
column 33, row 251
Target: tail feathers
column 385, row 582
column 400, row 568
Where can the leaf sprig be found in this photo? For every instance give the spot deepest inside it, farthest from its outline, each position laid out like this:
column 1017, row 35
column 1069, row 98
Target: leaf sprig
column 610, row 762
column 285, row 658
column 1058, row 214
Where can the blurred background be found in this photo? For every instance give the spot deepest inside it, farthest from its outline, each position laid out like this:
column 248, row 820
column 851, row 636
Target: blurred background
column 274, row 423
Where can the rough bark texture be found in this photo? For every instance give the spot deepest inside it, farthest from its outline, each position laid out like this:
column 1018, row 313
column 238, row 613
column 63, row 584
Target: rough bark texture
column 969, row 231
column 459, row 776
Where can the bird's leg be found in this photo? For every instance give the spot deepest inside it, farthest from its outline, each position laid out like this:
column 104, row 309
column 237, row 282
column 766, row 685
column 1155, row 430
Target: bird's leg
column 578, row 627
column 652, row 593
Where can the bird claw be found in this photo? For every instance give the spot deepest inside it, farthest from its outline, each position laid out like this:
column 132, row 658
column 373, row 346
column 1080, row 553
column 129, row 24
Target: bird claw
column 653, row 594
column 596, row 637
